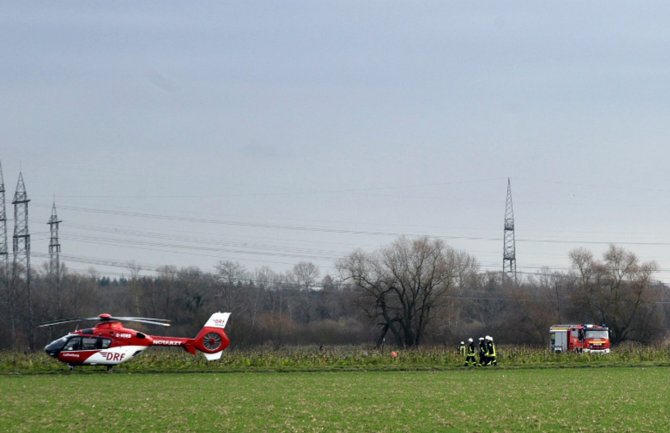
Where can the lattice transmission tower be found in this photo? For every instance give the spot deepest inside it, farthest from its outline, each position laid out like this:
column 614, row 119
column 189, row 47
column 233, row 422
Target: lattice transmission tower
column 6, row 301
column 509, row 246
column 54, row 257
column 21, row 249
column 54, row 244
column 4, row 247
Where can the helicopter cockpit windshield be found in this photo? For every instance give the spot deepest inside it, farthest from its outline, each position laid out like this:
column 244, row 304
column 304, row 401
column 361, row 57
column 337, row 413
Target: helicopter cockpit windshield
column 55, row 346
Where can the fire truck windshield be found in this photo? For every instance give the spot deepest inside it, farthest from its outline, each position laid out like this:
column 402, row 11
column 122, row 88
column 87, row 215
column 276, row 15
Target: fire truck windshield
column 596, row 334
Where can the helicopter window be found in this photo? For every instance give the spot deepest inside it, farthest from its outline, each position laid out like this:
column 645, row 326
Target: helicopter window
column 102, row 343
column 89, row 343
column 73, row 343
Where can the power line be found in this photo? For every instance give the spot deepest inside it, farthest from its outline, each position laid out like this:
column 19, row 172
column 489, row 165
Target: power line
column 305, row 228
column 208, row 248
column 199, row 241
column 169, row 248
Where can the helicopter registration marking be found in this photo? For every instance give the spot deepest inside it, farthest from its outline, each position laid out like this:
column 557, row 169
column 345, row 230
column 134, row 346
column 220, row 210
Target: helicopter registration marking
column 122, row 335
column 166, row 343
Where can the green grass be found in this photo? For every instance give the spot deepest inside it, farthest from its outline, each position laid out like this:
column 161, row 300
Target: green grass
column 483, row 400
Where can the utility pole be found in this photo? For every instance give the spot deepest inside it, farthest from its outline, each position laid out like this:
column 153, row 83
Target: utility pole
column 54, row 255
column 21, row 251
column 509, row 246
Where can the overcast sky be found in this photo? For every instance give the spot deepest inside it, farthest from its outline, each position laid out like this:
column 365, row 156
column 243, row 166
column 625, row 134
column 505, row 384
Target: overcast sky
column 269, row 133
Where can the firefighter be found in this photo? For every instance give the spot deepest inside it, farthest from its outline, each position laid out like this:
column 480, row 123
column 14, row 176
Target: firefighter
column 482, row 351
column 491, row 351
column 461, row 349
column 470, row 360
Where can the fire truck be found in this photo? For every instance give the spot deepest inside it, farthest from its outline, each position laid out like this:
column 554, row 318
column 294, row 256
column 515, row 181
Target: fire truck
column 580, row 338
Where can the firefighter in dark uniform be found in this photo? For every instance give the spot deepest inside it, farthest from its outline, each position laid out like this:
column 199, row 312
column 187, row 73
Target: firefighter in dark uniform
column 482, row 351
column 461, row 349
column 470, row 360
column 491, row 351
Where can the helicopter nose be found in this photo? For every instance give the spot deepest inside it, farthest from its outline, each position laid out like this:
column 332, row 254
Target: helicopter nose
column 54, row 348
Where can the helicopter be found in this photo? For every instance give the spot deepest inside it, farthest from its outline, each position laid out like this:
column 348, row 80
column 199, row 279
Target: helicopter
column 109, row 343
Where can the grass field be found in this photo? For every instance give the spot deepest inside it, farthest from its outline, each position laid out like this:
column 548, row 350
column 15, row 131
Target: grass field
column 337, row 358
column 612, row 399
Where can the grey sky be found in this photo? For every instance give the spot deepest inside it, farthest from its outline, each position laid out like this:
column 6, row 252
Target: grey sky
column 274, row 132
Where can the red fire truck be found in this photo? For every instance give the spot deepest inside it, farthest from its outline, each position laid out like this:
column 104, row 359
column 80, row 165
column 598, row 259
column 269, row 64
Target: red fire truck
column 580, row 338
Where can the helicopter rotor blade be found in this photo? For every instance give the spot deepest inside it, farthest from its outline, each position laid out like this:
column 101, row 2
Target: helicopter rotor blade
column 59, row 322
column 108, row 318
column 133, row 318
column 150, row 321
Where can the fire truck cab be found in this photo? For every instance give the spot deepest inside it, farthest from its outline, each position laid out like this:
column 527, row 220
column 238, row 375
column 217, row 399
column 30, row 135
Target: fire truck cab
column 579, row 338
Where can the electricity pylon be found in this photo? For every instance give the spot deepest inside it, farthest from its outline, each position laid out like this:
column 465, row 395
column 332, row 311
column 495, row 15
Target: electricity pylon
column 509, row 246
column 54, row 244
column 21, row 249
column 4, row 247
column 54, row 256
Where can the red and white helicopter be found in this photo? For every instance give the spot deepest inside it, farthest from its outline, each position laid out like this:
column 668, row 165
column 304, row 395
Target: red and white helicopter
column 109, row 343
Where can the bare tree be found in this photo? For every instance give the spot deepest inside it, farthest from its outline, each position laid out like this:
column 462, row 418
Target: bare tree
column 135, row 286
column 168, row 277
column 231, row 275
column 306, row 275
column 616, row 291
column 404, row 283
column 533, row 306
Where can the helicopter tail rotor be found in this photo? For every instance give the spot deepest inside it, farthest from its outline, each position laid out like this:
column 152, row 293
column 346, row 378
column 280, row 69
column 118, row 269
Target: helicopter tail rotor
column 212, row 338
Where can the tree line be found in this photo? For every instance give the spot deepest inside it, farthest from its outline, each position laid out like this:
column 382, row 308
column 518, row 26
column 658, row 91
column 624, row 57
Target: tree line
column 408, row 293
